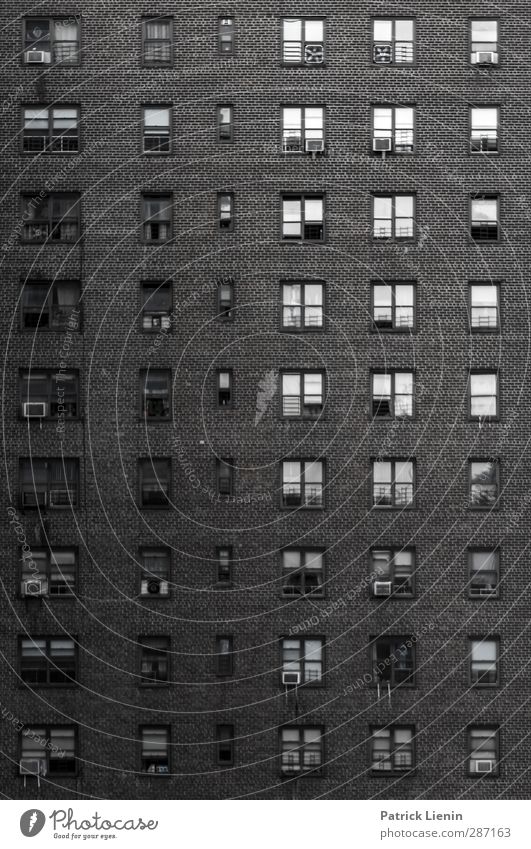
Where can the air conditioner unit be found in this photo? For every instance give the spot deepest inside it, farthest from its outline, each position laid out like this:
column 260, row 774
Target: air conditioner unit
column 485, row 57
column 60, row 498
column 35, row 57
column 314, row 54
column 291, row 679
column 34, row 499
column 314, row 145
column 382, row 145
column 382, row 588
column 383, row 53
column 32, row 766
column 484, row 766
column 34, row 587
column 34, row 409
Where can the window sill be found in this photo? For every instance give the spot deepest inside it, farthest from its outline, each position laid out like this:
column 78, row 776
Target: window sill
column 26, row 685
column 392, row 773
column 489, row 331
column 300, row 507
column 157, row 775
column 390, row 330
column 284, row 241
column 304, row 65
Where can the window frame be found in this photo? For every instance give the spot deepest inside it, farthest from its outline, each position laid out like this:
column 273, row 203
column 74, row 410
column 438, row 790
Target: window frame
column 145, row 19
column 487, row 372
column 143, row 570
column 50, row 108
column 303, row 328
column 303, row 461
column 222, row 315
column 393, row 238
column 373, row 42
column 471, row 19
column 155, row 286
column 46, row 574
column 485, row 196
column 303, row 659
column 230, row 226
column 227, row 741
column 393, row 107
column 232, row 31
column 496, row 504
column 158, row 106
column 394, row 642
column 47, row 664
column 393, row 748
column 393, row 551
column 302, row 374
column 219, row 389
column 302, row 198
column 48, row 729
column 396, row 328
column 48, row 306
column 221, row 464
column 52, row 19
column 496, row 739
column 471, row 108
column 478, row 685
column 302, row 63
column 50, row 222
column 143, row 375
column 313, row 772
column 228, row 581
column 141, row 771
column 224, row 661
column 144, row 651
column 394, row 460
column 73, row 503
column 52, row 398
column 496, row 284
column 495, row 550
column 285, row 573
column 302, row 107
column 145, row 196
column 392, row 372
column 219, row 123
column 141, row 462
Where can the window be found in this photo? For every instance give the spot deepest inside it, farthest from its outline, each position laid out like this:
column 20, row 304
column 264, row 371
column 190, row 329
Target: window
column 303, row 218
column 396, row 123
column 154, row 660
column 51, row 305
column 50, row 217
column 156, row 306
column 302, row 306
column 484, row 306
column 224, row 388
column 305, row 657
column 157, row 218
column 393, row 306
column 301, row 127
column 483, row 750
column 392, row 394
column 47, row 660
column 395, row 566
column 393, row 661
column 484, row 42
column 483, row 395
column 155, row 572
column 50, row 395
column 393, row 41
column 155, row 388
column 56, row 568
column 49, row 41
column 156, row 123
column 157, row 41
column 53, row 746
column 392, row 749
column 484, row 124
column 224, row 656
column 225, row 744
column 484, row 483
column 224, row 477
column 302, row 41
column 484, row 662
column 225, row 123
column 155, row 478
column 484, row 573
column 52, row 483
column 485, row 226
column 226, row 211
column 302, row 572
column 155, row 749
column 301, row 749
column 302, row 483
column 224, row 565
column 226, row 40
column 225, row 298
column 302, row 394
column 393, row 483
column 50, row 129
column 394, row 217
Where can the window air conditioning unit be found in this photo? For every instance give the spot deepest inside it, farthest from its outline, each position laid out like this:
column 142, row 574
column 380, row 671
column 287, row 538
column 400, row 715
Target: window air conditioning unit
column 35, row 57
column 314, row 145
column 32, row 766
column 291, row 679
column 485, row 57
column 484, row 766
column 60, row 498
column 155, row 586
column 34, row 409
column 314, row 54
column 34, row 587
column 382, row 588
column 382, row 145
column 383, row 53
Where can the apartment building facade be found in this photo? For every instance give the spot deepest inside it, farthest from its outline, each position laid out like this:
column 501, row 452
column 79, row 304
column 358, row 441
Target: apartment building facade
column 264, row 400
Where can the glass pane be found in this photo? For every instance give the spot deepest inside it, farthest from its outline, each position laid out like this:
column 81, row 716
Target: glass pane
column 292, row 29
column 314, row 31
column 383, row 30
column 313, row 209
column 382, row 471
column 156, row 117
column 403, row 30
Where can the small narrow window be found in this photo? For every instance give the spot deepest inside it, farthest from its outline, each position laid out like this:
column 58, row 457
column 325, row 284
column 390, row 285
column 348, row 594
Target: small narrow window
column 156, row 122
column 225, row 123
column 225, row 477
column 225, row 298
column 226, row 37
column 226, row 211
column 224, row 656
column 484, row 42
column 224, row 388
column 224, row 565
column 225, row 744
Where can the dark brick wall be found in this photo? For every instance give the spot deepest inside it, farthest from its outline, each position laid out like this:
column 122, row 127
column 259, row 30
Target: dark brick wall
column 106, row 616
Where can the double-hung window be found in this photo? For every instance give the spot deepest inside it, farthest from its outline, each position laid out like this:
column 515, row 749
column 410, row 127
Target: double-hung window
column 46, row 394
column 303, row 218
column 393, row 661
column 156, row 306
column 302, row 128
column 484, row 42
column 302, row 394
column 303, row 483
column 393, row 571
column 485, row 218
column 157, row 218
column 157, row 38
column 155, row 749
column 302, row 306
column 51, row 305
column 224, row 565
column 485, row 662
column 484, row 129
column 51, row 217
column 155, row 390
column 49, row 750
column 301, row 749
column 484, row 393
column 154, row 660
column 51, row 41
column 484, row 572
column 49, row 571
column 392, row 749
column 52, row 483
column 393, row 483
column 156, row 129
column 225, row 298
column 303, row 657
column 394, row 217
column 50, row 129
column 225, row 123
column 225, row 476
column 392, row 394
column 302, row 571
column 393, row 41
column 483, row 483
column 303, row 41
column 155, row 481
column 395, row 123
column 393, row 306
column 155, row 572
column 483, row 750
column 48, row 660
column 484, row 306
